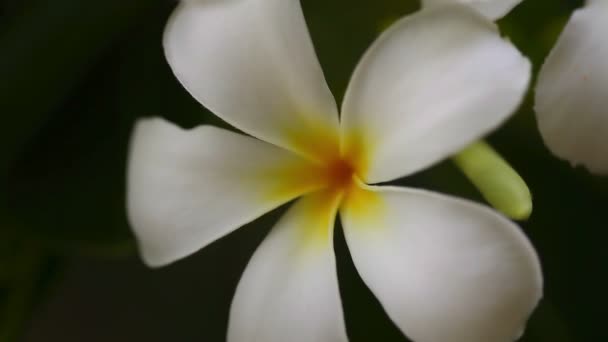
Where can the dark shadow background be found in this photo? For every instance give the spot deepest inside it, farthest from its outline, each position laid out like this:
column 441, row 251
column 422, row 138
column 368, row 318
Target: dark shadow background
column 74, row 75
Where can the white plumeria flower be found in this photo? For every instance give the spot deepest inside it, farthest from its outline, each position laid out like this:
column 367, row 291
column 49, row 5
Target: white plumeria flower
column 492, row 9
column 444, row 269
column 571, row 99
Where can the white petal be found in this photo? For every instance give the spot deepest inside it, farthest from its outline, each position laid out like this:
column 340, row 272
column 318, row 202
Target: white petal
column 571, row 99
column 492, row 9
column 434, row 82
column 444, row 269
column 253, row 64
column 189, row 188
column 289, row 291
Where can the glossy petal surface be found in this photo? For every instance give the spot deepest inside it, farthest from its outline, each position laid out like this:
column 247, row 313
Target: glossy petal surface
column 430, row 85
column 571, row 102
column 253, row 64
column 444, row 269
column 188, row 188
column 493, row 9
column 289, row 291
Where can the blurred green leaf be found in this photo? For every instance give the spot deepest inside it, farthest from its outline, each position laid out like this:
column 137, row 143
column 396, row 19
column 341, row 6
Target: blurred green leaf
column 67, row 188
column 45, row 54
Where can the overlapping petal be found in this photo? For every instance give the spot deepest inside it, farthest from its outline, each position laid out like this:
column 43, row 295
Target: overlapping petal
column 434, row 82
column 571, row 96
column 253, row 64
column 289, row 291
column 444, row 269
column 189, row 188
column 492, row 9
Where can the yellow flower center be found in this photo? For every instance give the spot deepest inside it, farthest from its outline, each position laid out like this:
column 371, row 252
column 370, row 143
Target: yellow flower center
column 339, row 173
column 330, row 176
column 338, row 161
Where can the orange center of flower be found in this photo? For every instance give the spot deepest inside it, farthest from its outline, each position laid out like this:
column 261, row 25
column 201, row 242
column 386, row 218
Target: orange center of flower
column 337, row 162
column 329, row 177
column 340, row 173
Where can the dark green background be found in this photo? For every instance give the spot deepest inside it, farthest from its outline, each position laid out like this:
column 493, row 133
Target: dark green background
column 75, row 74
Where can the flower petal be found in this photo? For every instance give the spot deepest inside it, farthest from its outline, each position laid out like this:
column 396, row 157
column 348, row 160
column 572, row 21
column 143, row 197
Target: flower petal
column 189, row 188
column 492, row 9
column 571, row 96
column 289, row 291
column 444, row 269
column 433, row 83
column 253, row 64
